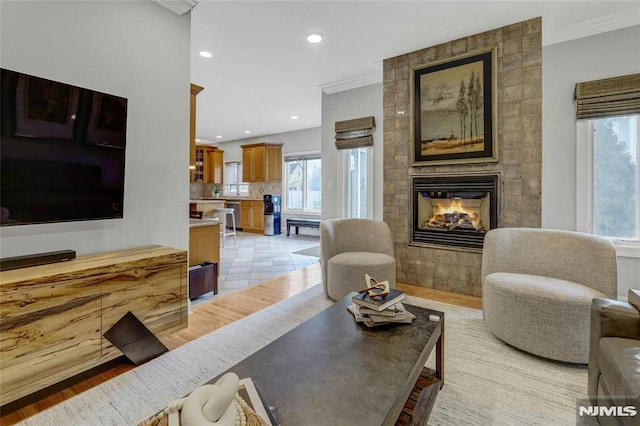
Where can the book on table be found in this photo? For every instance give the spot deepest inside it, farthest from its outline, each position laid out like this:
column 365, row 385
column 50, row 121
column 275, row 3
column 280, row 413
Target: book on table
column 379, row 302
column 402, row 316
column 391, row 311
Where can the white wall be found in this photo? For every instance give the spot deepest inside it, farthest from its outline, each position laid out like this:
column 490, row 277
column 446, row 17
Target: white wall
column 605, row 55
column 132, row 49
column 307, row 140
column 361, row 102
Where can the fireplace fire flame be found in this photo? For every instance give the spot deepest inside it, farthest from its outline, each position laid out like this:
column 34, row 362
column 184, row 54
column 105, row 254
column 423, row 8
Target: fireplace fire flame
column 452, row 215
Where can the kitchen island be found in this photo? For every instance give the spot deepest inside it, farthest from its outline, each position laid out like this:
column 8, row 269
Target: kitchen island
column 204, row 241
column 204, row 256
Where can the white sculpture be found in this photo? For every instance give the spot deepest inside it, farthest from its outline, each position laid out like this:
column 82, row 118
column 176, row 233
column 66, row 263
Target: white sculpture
column 212, row 404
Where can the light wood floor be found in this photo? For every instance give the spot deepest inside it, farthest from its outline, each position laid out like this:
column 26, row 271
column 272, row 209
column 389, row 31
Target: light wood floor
column 210, row 316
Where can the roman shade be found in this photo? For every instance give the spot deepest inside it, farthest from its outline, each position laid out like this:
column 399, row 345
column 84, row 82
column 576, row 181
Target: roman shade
column 608, row 97
column 354, row 133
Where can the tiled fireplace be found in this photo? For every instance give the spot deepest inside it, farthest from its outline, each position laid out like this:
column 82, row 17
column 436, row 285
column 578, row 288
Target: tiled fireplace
column 454, row 211
column 448, row 256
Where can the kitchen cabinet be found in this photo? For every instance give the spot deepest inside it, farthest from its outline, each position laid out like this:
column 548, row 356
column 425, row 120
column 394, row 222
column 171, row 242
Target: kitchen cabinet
column 252, row 216
column 215, row 165
column 195, row 89
column 204, row 242
column 262, row 162
column 197, row 174
column 209, row 165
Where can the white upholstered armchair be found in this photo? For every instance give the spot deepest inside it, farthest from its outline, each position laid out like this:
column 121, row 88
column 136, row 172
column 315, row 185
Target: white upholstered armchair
column 349, row 248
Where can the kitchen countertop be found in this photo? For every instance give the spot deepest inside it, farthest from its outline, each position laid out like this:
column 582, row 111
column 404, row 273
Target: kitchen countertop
column 206, row 201
column 203, row 222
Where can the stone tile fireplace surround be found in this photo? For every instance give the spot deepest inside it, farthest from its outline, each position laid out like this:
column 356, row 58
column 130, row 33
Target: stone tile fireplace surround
column 519, row 132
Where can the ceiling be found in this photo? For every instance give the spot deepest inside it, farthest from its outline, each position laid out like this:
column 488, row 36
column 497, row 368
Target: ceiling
column 263, row 71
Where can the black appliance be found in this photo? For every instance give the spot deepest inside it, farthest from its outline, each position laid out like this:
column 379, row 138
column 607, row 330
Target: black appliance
column 271, row 214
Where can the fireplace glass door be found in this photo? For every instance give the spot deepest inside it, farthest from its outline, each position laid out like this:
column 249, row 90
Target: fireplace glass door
column 454, row 210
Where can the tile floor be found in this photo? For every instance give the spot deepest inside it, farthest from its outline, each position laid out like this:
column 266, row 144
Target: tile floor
column 257, row 258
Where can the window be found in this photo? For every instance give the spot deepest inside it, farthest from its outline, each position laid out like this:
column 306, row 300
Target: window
column 302, row 177
column 608, row 154
column 357, row 182
column 233, row 179
column 610, row 148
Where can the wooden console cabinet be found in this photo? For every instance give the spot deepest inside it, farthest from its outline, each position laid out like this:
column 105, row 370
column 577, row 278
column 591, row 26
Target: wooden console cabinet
column 53, row 316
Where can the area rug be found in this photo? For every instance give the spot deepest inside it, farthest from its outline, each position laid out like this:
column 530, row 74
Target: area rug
column 311, row 251
column 486, row 381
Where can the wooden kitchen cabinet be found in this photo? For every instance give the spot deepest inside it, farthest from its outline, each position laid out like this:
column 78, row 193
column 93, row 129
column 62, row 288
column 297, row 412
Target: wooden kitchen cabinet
column 195, row 89
column 215, row 165
column 209, row 165
column 262, row 162
column 198, row 172
column 252, row 216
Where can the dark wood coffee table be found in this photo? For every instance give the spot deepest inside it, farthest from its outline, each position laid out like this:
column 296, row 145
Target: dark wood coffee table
column 331, row 371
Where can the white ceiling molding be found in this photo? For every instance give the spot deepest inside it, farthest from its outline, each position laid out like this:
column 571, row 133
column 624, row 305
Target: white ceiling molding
column 179, row 7
column 351, row 83
column 552, row 35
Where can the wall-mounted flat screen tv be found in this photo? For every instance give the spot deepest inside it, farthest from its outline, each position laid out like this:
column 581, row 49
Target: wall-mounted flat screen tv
column 62, row 151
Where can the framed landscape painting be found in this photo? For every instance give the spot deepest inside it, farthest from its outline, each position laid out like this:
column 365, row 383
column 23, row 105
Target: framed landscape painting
column 453, row 110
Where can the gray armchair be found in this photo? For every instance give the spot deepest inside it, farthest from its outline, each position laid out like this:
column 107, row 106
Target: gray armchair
column 349, row 248
column 537, row 287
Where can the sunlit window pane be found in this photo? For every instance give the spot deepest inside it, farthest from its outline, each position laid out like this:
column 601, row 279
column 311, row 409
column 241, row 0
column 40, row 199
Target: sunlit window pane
column 616, row 211
column 357, row 183
column 313, row 185
column 302, row 180
column 295, row 194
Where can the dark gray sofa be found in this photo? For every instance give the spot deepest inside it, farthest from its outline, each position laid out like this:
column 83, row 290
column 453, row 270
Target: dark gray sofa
column 614, row 357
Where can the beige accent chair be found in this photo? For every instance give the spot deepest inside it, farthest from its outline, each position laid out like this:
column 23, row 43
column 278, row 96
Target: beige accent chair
column 537, row 288
column 349, row 248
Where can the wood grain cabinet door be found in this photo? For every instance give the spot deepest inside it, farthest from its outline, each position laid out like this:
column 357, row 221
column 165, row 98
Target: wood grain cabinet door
column 49, row 331
column 274, row 163
column 259, row 166
column 153, row 290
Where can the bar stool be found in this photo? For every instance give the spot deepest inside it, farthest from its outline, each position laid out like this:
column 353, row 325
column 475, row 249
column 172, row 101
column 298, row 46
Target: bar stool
column 222, row 213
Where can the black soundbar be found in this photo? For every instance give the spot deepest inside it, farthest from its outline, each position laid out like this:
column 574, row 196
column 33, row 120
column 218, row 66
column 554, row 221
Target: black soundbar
column 36, row 259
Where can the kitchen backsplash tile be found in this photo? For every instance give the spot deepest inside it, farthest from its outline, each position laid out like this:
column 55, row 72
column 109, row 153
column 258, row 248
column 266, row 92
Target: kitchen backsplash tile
column 256, row 189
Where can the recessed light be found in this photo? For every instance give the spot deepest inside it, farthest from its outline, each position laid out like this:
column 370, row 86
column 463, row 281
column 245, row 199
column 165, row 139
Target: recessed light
column 247, row 131
column 205, row 54
column 294, row 117
column 218, row 137
column 314, row 38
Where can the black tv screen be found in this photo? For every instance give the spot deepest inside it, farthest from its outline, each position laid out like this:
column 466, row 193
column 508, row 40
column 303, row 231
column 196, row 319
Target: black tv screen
column 62, row 152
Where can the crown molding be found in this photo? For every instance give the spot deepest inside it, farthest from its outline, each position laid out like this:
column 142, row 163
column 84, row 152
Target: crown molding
column 178, row 7
column 593, row 27
column 351, row 83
